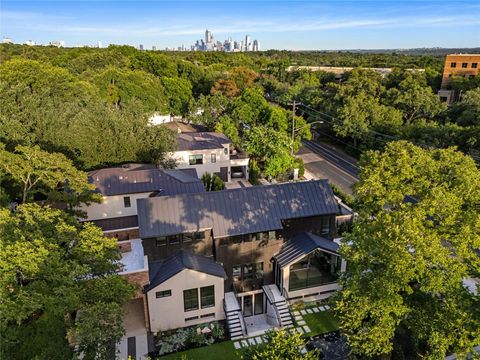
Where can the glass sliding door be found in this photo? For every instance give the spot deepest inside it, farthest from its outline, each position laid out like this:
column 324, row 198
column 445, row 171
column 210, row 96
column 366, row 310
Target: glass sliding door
column 247, row 305
column 259, row 306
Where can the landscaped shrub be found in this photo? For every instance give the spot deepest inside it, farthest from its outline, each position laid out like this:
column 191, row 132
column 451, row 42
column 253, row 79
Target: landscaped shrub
column 191, row 337
column 346, row 198
column 254, row 172
column 212, row 182
column 298, row 164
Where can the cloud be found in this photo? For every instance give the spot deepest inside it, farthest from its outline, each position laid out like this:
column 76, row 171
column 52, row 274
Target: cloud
column 259, row 26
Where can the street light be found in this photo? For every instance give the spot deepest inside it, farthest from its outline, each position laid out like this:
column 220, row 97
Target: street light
column 303, row 127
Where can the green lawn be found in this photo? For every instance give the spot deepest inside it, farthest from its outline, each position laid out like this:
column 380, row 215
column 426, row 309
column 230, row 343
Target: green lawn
column 321, row 322
column 220, row 351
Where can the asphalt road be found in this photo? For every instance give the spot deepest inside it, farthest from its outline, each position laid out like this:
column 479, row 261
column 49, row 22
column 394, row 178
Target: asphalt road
column 325, row 162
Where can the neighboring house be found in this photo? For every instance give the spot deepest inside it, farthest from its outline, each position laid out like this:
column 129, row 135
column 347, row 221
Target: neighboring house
column 209, row 152
column 122, row 186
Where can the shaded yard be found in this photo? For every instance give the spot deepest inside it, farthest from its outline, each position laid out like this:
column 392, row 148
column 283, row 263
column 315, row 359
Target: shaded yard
column 321, row 322
column 220, row 351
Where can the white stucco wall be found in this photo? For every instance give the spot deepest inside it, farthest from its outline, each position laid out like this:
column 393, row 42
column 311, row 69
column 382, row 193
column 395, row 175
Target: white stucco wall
column 168, row 312
column 222, row 160
column 113, row 206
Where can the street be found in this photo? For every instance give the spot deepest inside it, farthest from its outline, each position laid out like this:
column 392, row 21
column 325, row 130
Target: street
column 322, row 162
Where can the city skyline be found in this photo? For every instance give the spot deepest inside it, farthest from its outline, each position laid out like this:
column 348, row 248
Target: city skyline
column 297, row 25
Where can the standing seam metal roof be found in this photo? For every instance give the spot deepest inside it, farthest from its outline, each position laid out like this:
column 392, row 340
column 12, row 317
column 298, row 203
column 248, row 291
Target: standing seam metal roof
column 301, row 245
column 235, row 211
column 124, row 180
column 162, row 270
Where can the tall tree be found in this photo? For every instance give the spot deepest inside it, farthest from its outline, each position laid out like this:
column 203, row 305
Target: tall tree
column 57, row 279
column 412, row 247
column 49, row 174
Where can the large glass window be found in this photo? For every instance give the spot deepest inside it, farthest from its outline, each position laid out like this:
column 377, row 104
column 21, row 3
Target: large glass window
column 258, row 308
column 190, row 299
column 207, row 296
column 237, row 272
column 195, row 159
column 315, row 269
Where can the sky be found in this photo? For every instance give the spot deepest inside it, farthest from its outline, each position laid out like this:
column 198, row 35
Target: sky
column 292, row 25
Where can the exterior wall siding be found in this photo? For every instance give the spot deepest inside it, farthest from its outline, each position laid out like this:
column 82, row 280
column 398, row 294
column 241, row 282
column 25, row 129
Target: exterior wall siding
column 168, row 312
column 113, row 206
column 458, row 70
column 154, row 252
column 248, row 253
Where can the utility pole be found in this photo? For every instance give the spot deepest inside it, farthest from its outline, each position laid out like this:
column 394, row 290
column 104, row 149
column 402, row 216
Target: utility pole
column 293, row 126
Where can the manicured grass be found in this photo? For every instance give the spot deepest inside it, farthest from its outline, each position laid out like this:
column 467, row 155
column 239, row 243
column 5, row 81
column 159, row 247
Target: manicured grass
column 321, row 322
column 220, row 351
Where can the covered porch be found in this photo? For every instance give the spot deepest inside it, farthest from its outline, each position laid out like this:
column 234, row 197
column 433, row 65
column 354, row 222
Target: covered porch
column 308, row 268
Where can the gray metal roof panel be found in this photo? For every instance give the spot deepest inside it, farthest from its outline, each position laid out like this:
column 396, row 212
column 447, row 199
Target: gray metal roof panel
column 201, row 141
column 162, row 270
column 128, row 180
column 235, row 211
column 301, row 245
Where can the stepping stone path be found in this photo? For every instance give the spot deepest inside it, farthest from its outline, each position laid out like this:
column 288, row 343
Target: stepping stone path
column 301, row 322
column 237, row 345
column 298, row 318
column 316, row 310
column 306, row 328
column 303, row 312
column 296, row 312
column 310, row 311
column 300, row 330
column 259, row 340
column 244, row 343
column 252, row 341
column 327, row 307
column 322, row 308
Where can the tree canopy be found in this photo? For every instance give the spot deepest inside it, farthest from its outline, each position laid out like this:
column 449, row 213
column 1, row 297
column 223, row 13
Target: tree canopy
column 412, row 247
column 57, row 276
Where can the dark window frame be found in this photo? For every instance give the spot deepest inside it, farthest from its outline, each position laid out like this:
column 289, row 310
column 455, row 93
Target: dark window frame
column 190, row 300
column 453, row 64
column 464, row 65
column 213, row 158
column 163, row 294
column 161, row 241
column 207, row 300
column 474, row 65
column 195, row 159
column 127, row 202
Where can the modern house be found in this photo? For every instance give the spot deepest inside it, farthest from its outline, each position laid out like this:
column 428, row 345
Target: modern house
column 240, row 255
column 248, row 251
column 209, row 152
column 122, row 186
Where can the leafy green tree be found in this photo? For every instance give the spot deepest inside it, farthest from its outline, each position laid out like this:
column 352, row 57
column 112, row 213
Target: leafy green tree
column 467, row 111
column 362, row 114
column 49, row 174
column 52, row 268
column 120, row 86
column 415, row 99
column 179, row 94
column 226, row 126
column 280, row 345
column 407, row 260
column 212, row 182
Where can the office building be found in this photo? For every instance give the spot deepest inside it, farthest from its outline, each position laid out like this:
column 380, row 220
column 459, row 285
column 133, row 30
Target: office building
column 457, row 65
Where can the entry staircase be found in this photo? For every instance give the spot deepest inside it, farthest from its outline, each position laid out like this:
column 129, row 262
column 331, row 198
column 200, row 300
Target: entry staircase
column 235, row 322
column 279, row 303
